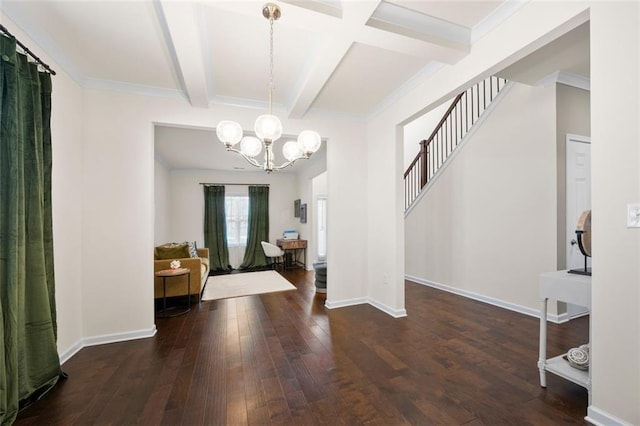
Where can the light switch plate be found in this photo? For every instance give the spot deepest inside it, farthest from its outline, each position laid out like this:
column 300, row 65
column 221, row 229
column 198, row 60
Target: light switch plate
column 633, row 215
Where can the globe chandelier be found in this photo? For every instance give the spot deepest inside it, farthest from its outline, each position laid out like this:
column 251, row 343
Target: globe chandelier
column 267, row 127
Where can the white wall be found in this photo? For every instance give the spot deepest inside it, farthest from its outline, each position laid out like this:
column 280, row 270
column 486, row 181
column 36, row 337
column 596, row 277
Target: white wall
column 187, row 206
column 67, row 105
column 347, row 185
column 162, row 204
column 320, row 185
column 615, row 166
column 487, row 224
column 117, row 226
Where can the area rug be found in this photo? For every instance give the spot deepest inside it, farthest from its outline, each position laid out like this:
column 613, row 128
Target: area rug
column 244, row 284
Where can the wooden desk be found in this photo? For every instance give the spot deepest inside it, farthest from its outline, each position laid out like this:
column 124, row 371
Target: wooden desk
column 292, row 249
column 565, row 287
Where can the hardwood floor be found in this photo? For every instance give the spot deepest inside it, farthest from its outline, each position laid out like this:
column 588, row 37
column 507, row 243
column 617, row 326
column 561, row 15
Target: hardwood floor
column 282, row 358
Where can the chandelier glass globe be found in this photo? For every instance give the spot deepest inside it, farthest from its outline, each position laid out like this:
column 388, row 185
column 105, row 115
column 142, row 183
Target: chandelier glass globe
column 229, row 132
column 291, row 151
column 250, row 146
column 268, row 127
column 309, row 142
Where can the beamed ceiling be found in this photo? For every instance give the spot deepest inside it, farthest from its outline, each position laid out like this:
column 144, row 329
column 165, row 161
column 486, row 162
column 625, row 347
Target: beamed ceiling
column 342, row 57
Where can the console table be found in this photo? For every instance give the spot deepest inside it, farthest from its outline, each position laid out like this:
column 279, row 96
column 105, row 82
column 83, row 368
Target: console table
column 292, row 248
column 564, row 287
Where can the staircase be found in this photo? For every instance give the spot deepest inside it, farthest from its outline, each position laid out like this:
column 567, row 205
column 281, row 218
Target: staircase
column 464, row 112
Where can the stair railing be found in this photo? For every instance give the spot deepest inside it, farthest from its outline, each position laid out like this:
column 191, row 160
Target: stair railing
column 462, row 114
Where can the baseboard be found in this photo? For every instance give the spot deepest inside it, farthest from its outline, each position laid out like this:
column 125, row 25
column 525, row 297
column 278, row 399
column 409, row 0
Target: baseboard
column 344, row 303
column 105, row 339
column 580, row 315
column 490, row 300
column 564, row 317
column 74, row 349
column 396, row 313
column 559, row 319
column 120, row 337
column 599, row 417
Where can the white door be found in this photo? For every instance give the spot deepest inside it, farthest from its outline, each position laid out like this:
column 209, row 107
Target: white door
column 578, row 199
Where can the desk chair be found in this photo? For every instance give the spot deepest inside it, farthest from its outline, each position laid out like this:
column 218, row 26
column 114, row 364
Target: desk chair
column 274, row 253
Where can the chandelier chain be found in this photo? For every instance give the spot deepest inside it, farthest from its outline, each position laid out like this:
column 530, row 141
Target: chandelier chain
column 271, row 85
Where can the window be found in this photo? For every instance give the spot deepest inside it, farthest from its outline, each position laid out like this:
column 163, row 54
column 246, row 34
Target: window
column 237, row 212
column 322, row 228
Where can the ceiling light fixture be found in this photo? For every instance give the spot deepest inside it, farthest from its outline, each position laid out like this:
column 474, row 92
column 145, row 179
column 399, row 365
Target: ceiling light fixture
column 267, row 127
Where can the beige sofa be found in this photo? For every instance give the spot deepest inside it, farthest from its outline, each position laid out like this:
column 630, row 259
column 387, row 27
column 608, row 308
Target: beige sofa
column 177, row 286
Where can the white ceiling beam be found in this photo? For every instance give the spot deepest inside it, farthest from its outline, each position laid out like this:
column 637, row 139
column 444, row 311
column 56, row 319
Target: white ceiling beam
column 407, row 45
column 415, row 24
column 357, row 13
column 329, row 56
column 326, row 61
column 355, row 26
column 182, row 25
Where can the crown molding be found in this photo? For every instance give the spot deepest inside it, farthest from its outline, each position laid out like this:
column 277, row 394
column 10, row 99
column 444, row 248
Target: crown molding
column 498, row 16
column 132, row 88
column 566, row 78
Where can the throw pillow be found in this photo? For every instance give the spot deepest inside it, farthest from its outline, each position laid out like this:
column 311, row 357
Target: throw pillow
column 193, row 250
column 172, row 251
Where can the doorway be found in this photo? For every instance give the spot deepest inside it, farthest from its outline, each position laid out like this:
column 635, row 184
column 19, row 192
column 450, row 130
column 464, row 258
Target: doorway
column 578, row 199
column 319, row 196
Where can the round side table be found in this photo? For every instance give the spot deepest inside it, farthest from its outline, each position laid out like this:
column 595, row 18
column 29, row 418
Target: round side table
column 168, row 273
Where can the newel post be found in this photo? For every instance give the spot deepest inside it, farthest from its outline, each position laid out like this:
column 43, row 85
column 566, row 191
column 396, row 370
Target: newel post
column 424, row 146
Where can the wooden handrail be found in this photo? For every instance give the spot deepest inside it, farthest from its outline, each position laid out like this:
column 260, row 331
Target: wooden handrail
column 444, row 117
column 413, row 163
column 450, row 130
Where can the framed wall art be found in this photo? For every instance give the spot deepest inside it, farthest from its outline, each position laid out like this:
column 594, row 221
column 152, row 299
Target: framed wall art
column 296, row 208
column 303, row 213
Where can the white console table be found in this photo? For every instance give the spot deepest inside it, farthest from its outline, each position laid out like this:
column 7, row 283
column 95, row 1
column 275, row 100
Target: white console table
column 564, row 287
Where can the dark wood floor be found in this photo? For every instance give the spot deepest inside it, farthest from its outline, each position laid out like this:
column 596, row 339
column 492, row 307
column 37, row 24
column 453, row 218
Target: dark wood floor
column 282, row 358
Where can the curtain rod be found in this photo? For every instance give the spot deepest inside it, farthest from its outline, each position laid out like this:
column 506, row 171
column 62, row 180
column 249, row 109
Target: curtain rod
column 26, row 50
column 226, row 184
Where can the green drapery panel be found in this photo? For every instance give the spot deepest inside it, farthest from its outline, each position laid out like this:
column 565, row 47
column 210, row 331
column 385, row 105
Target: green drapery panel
column 258, row 228
column 29, row 363
column 215, row 229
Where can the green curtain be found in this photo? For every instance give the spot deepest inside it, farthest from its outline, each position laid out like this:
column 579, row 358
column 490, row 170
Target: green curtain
column 258, row 228
column 29, row 363
column 215, row 229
